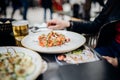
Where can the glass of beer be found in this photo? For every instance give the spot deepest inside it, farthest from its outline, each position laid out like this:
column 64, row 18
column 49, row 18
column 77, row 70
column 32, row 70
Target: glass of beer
column 20, row 30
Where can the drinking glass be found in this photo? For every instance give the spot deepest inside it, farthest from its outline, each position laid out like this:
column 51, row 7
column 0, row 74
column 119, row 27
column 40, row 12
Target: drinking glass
column 20, row 30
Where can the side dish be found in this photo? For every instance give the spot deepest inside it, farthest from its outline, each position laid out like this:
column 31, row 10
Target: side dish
column 77, row 56
column 15, row 65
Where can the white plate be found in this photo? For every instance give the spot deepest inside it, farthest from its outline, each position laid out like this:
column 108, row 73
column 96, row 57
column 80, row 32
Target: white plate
column 45, row 66
column 36, row 59
column 76, row 40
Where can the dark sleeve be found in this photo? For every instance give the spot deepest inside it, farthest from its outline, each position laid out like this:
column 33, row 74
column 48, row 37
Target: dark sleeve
column 90, row 27
column 119, row 63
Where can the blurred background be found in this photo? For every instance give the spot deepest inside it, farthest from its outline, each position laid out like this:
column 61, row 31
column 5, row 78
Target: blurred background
column 39, row 11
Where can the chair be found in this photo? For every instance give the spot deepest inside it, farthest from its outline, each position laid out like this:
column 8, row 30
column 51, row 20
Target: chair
column 104, row 37
column 6, row 32
column 91, row 40
column 107, row 34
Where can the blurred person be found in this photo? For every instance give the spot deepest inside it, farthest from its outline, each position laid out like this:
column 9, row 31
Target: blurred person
column 31, row 3
column 110, row 49
column 87, row 7
column 75, row 8
column 22, row 6
column 57, row 5
column 25, row 6
column 101, row 2
column 3, row 7
column 16, row 4
column 47, row 4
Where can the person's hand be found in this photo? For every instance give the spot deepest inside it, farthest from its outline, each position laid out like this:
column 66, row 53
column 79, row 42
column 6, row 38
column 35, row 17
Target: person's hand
column 57, row 24
column 111, row 60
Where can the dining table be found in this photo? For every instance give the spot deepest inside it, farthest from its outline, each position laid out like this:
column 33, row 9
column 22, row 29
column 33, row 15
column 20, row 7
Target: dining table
column 96, row 70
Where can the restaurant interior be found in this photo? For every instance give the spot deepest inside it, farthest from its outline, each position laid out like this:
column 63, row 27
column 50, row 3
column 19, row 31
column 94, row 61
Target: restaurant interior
column 29, row 50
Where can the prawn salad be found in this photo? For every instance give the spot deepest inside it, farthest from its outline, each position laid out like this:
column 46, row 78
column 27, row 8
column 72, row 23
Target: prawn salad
column 52, row 39
column 15, row 65
column 77, row 56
